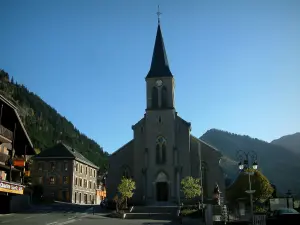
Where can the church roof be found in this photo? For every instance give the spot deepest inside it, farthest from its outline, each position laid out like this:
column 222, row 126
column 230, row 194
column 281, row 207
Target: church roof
column 159, row 65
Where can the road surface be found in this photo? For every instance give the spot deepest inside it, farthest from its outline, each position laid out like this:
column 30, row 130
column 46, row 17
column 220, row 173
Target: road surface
column 58, row 214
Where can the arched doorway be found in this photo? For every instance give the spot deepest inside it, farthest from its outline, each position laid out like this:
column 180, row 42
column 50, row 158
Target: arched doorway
column 162, row 187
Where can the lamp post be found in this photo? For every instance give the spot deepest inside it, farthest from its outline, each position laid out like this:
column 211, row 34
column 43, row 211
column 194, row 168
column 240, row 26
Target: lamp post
column 245, row 161
column 288, row 197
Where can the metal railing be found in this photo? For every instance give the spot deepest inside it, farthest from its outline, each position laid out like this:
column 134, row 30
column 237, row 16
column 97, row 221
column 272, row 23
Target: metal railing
column 6, row 132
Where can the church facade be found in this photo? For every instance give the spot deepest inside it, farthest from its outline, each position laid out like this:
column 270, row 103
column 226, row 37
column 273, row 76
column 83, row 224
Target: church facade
column 163, row 150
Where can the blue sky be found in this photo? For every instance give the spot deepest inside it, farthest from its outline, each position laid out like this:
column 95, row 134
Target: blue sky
column 236, row 63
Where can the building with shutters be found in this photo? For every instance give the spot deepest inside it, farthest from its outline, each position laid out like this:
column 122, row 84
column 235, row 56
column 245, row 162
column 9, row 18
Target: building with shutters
column 65, row 175
column 15, row 147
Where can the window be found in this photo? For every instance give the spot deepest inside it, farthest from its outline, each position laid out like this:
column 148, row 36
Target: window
column 86, row 170
column 76, row 166
column 161, row 150
column 80, row 168
column 52, row 180
column 164, row 97
column 52, row 165
column 90, row 185
column 76, row 181
column 154, row 96
column 126, row 173
column 159, row 119
column 85, row 198
column 65, row 166
column 85, row 183
column 65, row 180
column 80, row 182
column 94, row 173
column 40, row 166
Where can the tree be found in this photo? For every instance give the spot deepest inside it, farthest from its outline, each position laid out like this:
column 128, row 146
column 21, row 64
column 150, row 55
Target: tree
column 259, row 183
column 126, row 188
column 190, row 187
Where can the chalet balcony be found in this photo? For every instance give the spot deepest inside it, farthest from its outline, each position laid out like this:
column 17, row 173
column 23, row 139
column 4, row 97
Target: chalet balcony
column 3, row 158
column 5, row 134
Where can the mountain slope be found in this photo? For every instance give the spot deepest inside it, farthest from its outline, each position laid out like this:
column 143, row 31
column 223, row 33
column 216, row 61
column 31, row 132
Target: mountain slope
column 45, row 125
column 280, row 165
column 291, row 142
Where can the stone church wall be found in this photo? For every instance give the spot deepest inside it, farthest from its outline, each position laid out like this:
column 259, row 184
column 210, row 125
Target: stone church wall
column 119, row 161
column 215, row 174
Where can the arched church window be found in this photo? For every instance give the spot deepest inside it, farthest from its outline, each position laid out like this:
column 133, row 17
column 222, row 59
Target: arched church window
column 157, row 154
column 164, row 97
column 161, row 150
column 126, row 172
column 164, row 153
column 159, row 119
column 154, row 96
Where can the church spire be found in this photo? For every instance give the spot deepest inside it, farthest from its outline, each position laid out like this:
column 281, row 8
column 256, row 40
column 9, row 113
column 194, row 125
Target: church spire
column 159, row 66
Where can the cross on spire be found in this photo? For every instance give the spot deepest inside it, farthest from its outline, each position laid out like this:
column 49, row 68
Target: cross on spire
column 158, row 14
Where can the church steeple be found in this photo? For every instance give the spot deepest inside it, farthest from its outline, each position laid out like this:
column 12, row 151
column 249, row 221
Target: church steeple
column 159, row 66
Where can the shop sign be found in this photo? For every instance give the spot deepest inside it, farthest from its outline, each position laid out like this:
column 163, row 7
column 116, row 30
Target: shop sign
column 11, row 187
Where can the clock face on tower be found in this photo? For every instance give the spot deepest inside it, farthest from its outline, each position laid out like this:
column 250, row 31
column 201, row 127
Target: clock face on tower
column 159, row 83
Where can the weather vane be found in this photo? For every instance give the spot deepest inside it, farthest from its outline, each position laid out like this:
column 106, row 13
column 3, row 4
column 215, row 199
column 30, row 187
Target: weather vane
column 158, row 14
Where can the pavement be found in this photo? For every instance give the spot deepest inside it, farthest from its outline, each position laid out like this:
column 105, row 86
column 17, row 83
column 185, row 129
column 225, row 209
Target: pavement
column 62, row 214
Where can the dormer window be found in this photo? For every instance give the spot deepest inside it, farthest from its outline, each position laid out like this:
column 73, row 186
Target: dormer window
column 40, row 166
column 52, row 165
column 65, row 166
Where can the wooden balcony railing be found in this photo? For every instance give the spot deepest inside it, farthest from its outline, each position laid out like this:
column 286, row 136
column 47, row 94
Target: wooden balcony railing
column 4, row 157
column 6, row 133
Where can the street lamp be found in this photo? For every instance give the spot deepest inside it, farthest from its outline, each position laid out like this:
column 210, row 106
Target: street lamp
column 245, row 160
column 288, row 197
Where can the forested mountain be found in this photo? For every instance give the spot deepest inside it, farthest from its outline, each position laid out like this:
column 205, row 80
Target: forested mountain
column 291, row 142
column 45, row 125
column 280, row 165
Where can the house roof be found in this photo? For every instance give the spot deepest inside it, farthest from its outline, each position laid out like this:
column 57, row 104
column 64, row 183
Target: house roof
column 62, row 150
column 22, row 138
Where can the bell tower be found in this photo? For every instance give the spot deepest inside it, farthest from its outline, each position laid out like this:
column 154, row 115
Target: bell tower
column 159, row 80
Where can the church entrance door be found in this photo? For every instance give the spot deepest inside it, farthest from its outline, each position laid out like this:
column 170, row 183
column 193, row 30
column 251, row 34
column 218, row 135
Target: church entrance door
column 162, row 191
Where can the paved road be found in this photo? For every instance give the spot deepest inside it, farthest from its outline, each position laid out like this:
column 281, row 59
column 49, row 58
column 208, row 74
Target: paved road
column 46, row 215
column 70, row 214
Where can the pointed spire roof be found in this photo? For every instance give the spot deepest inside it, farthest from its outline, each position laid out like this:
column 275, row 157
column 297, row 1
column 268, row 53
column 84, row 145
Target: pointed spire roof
column 159, row 66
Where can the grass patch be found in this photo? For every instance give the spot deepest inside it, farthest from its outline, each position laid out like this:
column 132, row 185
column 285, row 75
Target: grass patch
column 192, row 213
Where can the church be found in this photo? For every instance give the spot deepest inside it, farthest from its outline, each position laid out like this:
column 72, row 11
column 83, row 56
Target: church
column 163, row 151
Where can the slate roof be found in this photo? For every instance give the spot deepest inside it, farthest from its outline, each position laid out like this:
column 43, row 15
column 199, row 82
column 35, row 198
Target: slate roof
column 62, row 150
column 160, row 65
